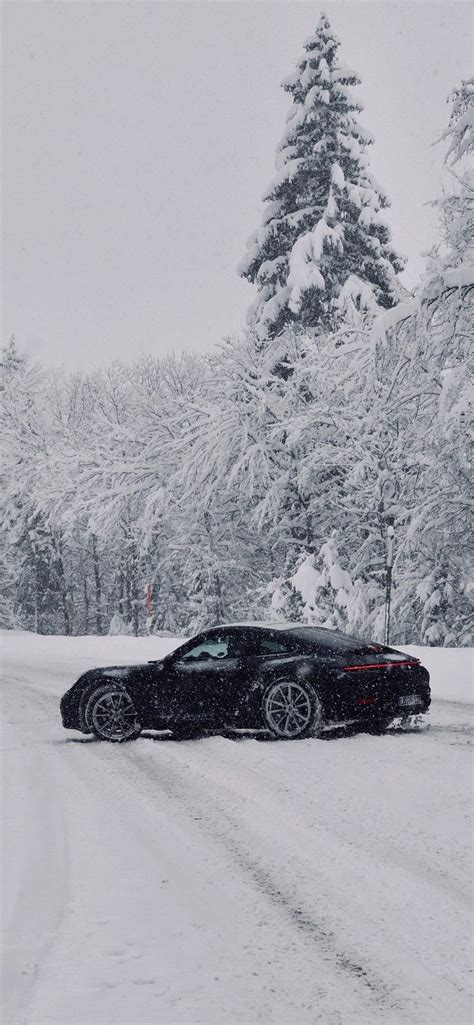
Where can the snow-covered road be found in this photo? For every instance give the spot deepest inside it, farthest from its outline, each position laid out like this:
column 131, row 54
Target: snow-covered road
column 229, row 880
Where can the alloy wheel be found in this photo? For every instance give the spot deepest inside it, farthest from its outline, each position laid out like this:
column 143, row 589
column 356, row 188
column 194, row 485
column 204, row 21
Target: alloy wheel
column 113, row 716
column 288, row 709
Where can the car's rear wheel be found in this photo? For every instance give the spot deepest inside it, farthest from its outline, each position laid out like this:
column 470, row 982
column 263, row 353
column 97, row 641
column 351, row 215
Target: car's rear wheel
column 292, row 710
column 111, row 715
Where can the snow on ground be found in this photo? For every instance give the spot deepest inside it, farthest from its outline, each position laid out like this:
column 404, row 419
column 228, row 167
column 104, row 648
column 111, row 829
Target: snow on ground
column 450, row 669
column 230, row 880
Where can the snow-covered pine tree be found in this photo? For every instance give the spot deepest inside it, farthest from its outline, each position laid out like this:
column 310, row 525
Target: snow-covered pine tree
column 456, row 206
column 322, row 220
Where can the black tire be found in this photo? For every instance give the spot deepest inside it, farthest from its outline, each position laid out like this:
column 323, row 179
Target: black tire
column 292, row 710
column 84, row 724
column 110, row 714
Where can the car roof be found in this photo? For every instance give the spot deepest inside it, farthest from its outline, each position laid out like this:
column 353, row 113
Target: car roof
column 322, row 636
column 268, row 625
column 258, row 624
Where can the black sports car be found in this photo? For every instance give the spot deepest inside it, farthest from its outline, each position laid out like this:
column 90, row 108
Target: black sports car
column 291, row 680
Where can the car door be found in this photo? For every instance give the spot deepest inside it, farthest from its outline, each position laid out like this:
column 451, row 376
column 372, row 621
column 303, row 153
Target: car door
column 201, row 679
column 231, row 685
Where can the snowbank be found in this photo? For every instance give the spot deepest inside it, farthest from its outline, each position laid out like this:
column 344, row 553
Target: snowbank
column 450, row 671
column 77, row 654
column 450, row 668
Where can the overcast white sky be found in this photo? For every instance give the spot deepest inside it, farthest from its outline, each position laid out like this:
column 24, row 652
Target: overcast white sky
column 139, row 138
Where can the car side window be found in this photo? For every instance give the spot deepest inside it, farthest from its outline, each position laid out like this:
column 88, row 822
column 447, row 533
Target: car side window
column 270, row 646
column 214, row 648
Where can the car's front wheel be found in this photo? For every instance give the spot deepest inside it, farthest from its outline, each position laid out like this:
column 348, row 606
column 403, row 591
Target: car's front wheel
column 111, row 715
column 292, row 710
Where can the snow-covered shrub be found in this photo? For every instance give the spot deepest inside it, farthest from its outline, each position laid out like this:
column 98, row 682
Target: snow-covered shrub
column 118, row 626
column 318, row 592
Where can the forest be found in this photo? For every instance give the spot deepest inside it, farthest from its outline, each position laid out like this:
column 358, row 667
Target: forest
column 265, row 477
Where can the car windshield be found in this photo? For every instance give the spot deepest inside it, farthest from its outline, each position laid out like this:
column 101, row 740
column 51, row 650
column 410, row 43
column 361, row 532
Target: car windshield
column 213, row 647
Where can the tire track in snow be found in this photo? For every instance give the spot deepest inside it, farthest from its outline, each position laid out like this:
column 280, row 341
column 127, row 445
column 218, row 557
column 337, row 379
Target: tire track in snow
column 182, row 789
column 416, row 984
column 399, row 854
column 123, row 786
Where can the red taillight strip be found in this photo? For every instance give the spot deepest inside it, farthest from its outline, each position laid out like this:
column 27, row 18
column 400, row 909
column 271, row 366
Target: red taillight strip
column 381, row 665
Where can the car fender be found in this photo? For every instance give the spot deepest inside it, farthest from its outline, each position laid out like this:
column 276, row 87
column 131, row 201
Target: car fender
column 298, row 668
column 303, row 670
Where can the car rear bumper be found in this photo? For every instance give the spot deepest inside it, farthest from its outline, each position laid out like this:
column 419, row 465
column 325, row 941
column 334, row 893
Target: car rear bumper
column 401, row 691
column 413, row 683
column 414, row 704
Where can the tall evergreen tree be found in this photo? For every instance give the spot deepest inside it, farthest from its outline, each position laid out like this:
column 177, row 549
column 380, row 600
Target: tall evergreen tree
column 322, row 221
column 456, row 206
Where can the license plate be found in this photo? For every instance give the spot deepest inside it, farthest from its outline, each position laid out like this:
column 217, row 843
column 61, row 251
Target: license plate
column 410, row 699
